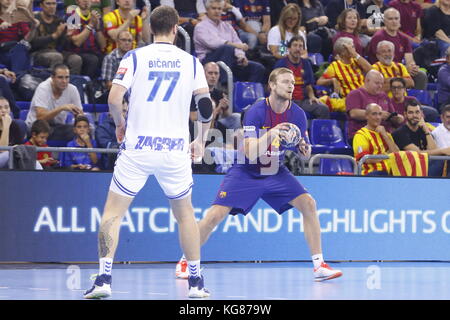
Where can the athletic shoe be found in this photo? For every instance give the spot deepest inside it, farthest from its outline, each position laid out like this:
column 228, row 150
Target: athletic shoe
column 197, row 288
column 325, row 272
column 101, row 288
column 181, row 271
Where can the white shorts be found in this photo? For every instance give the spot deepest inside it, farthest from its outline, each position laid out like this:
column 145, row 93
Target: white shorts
column 172, row 170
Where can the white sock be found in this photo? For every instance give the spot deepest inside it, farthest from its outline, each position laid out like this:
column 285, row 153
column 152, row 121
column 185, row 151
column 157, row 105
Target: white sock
column 317, row 260
column 105, row 266
column 194, row 268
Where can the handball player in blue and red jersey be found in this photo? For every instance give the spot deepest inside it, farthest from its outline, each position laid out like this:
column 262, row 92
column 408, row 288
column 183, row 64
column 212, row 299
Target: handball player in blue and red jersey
column 261, row 173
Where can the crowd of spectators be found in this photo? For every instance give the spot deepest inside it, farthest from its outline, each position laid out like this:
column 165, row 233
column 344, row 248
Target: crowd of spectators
column 366, row 50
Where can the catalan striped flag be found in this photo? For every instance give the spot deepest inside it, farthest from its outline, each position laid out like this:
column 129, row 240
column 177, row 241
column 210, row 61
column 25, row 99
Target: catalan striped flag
column 409, row 163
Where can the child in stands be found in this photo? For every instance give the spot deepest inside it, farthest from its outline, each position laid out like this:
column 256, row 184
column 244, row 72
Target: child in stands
column 83, row 139
column 40, row 131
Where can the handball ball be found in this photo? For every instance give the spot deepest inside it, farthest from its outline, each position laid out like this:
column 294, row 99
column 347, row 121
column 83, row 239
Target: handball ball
column 291, row 137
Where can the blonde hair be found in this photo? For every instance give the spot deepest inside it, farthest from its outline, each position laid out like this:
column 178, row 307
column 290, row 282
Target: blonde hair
column 288, row 11
column 277, row 72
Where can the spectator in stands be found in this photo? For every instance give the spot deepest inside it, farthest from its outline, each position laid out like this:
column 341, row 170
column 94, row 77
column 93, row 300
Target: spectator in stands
column 411, row 14
column 6, row 78
column 415, row 135
column 101, row 6
column 233, row 15
column 345, row 74
column 335, row 7
column 86, row 41
column 373, row 14
column 400, row 99
column 303, row 94
column 373, row 139
column 288, row 26
column 14, row 39
column 19, row 11
column 223, row 116
column 349, row 25
column 436, row 25
column 10, row 133
column 257, row 16
column 50, row 36
column 216, row 40
column 125, row 17
column 370, row 92
column 112, row 60
column 52, row 100
column 82, row 139
column 190, row 13
column 276, row 6
column 314, row 23
column 441, row 133
column 388, row 67
column 403, row 49
column 443, row 82
column 425, row 4
column 40, row 130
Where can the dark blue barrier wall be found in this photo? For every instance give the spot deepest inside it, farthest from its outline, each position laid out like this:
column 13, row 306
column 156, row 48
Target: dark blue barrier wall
column 54, row 216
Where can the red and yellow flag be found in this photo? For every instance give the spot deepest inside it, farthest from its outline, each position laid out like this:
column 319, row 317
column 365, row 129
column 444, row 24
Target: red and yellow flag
column 409, row 163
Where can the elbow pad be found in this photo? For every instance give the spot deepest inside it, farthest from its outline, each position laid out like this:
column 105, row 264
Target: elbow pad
column 204, row 107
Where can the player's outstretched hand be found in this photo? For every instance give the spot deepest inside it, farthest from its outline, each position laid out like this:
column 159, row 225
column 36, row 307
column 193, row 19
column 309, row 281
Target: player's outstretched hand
column 304, row 148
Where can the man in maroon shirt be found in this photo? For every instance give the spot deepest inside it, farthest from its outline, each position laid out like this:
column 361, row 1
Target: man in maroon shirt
column 411, row 14
column 403, row 49
column 370, row 92
column 14, row 44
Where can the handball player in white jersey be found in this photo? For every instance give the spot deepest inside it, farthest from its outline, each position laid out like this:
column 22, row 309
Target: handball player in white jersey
column 160, row 80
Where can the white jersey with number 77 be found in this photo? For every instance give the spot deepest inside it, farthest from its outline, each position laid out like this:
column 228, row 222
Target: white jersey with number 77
column 160, row 79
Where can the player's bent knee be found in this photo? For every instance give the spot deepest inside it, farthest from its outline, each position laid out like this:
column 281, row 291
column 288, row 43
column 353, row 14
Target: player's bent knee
column 305, row 203
column 216, row 214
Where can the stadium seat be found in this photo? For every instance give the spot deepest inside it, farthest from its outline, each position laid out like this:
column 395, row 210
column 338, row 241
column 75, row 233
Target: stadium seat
column 432, row 86
column 316, row 58
column 23, row 105
column 57, row 143
column 102, row 117
column 336, row 166
column 91, row 107
column 246, row 93
column 322, row 90
column 23, row 114
column 436, row 101
column 327, row 137
column 423, row 96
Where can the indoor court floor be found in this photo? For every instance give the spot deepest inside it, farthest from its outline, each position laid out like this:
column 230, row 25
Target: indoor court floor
column 233, row 281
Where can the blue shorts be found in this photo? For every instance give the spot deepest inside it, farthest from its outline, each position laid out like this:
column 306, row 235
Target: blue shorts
column 241, row 189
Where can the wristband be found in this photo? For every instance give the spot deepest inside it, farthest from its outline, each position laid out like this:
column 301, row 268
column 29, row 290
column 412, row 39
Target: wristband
column 89, row 28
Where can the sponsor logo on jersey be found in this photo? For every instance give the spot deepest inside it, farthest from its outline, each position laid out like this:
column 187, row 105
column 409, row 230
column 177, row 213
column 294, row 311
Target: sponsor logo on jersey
column 120, row 73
